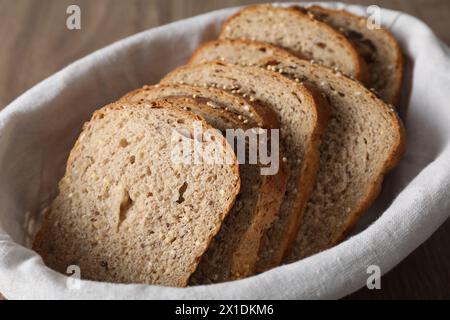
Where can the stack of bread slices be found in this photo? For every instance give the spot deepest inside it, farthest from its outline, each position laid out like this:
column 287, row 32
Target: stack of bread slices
column 324, row 80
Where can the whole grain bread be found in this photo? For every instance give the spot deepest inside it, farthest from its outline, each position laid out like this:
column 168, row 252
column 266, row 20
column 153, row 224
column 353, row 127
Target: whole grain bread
column 293, row 29
column 126, row 212
column 234, row 252
column 237, row 51
column 303, row 117
column 258, row 114
column 376, row 46
column 364, row 139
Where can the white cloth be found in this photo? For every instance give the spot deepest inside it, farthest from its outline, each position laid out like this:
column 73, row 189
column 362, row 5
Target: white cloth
column 38, row 129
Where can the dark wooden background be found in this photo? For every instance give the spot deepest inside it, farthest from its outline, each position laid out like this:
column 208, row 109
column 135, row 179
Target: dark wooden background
column 35, row 43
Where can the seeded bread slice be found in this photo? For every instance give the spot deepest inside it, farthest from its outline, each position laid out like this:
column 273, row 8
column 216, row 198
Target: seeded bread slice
column 234, row 252
column 377, row 47
column 258, row 114
column 293, row 29
column 236, row 51
column 364, row 139
column 125, row 211
column 303, row 117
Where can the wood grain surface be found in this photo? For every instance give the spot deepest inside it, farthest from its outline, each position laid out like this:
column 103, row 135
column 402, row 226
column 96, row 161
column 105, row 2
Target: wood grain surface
column 36, row 43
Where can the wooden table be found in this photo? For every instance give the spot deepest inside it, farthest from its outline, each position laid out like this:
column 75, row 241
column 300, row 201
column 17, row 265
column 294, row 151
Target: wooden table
column 36, row 43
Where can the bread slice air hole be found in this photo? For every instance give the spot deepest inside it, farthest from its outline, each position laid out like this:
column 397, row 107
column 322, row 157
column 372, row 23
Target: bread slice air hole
column 123, row 143
column 125, row 204
column 181, row 192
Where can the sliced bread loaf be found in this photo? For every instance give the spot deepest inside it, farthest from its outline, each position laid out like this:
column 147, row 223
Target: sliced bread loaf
column 377, row 46
column 364, row 139
column 294, row 30
column 303, row 117
column 234, row 252
column 125, row 211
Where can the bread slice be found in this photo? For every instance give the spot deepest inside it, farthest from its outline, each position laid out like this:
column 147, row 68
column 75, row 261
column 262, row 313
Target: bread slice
column 364, row 139
column 294, row 30
column 237, row 51
column 234, row 252
column 126, row 212
column 258, row 114
column 303, row 117
column 377, row 47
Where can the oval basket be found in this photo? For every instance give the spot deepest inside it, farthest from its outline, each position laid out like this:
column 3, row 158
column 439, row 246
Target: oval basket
column 38, row 129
